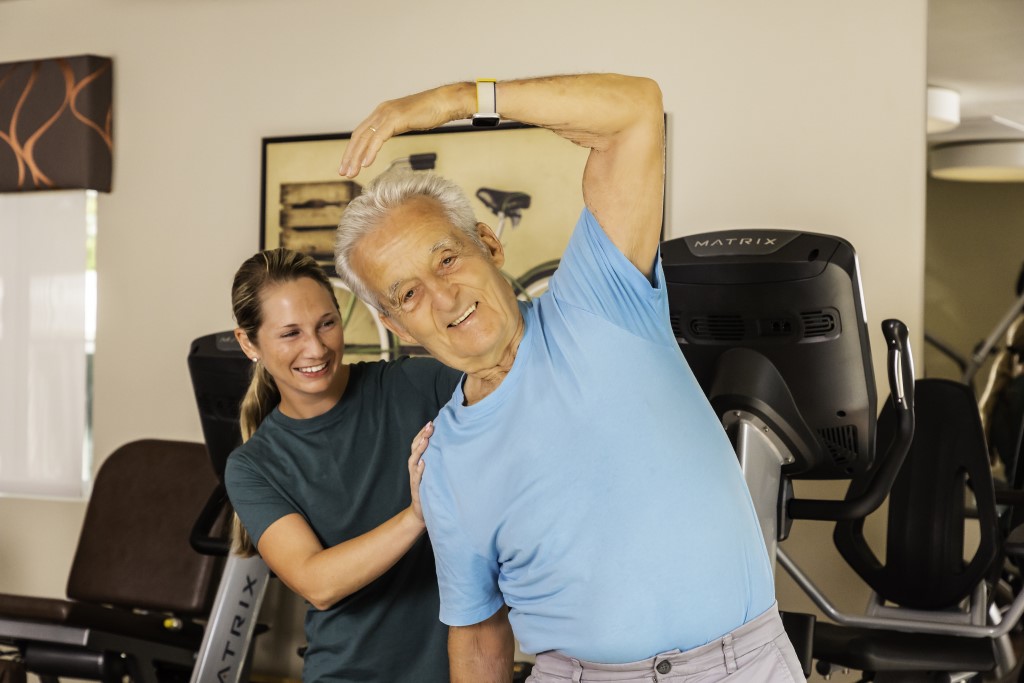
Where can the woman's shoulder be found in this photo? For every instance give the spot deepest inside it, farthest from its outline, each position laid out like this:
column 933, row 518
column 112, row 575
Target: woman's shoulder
column 420, row 371
column 242, row 467
column 246, row 457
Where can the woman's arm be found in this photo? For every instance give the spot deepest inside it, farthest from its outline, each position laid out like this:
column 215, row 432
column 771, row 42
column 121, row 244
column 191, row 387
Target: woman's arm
column 323, row 576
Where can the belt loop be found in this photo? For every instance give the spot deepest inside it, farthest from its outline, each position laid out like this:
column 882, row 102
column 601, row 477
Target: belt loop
column 728, row 655
column 577, row 671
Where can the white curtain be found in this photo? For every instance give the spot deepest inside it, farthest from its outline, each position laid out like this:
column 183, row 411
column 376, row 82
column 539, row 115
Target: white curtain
column 46, row 318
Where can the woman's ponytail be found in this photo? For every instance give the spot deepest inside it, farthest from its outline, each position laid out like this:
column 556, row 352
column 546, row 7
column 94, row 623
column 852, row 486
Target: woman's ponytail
column 260, row 399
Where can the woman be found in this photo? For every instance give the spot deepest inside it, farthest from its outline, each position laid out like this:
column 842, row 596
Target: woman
column 321, row 484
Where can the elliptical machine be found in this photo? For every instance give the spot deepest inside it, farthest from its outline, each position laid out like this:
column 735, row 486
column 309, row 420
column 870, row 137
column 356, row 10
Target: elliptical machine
column 773, row 325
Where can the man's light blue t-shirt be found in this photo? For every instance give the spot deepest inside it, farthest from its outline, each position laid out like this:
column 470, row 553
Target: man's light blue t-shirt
column 594, row 491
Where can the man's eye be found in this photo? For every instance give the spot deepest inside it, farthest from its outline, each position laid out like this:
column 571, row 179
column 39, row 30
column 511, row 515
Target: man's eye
column 447, row 260
column 404, row 299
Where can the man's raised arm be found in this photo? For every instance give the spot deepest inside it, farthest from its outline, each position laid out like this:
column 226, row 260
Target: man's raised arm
column 619, row 118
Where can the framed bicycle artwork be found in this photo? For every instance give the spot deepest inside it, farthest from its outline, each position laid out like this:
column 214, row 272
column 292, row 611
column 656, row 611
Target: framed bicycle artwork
column 523, row 181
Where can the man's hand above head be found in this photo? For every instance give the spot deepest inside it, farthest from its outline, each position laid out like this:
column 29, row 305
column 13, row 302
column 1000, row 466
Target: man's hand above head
column 422, row 111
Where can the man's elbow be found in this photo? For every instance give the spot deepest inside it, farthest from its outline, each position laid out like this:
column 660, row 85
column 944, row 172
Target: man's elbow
column 651, row 90
column 642, row 107
column 645, row 93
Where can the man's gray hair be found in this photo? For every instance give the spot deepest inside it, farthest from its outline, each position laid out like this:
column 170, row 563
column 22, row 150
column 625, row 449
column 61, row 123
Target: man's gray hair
column 385, row 193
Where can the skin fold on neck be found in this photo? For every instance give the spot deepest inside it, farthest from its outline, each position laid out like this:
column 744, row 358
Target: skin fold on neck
column 480, row 384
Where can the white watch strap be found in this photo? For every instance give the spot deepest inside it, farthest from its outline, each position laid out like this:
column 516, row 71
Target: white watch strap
column 486, row 101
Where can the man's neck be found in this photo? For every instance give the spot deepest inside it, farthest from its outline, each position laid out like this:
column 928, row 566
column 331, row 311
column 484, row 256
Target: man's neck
column 481, row 383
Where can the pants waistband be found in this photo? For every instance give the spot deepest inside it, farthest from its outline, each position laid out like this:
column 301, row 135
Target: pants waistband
column 725, row 650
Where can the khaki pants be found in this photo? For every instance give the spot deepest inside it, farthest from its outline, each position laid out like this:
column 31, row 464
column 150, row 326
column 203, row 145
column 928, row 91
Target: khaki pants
column 757, row 652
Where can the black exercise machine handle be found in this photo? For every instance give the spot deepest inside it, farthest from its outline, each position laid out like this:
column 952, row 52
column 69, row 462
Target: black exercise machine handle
column 422, row 162
column 900, row 364
column 201, row 539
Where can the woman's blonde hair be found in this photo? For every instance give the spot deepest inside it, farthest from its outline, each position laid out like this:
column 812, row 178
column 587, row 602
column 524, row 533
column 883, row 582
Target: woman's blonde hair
column 263, row 269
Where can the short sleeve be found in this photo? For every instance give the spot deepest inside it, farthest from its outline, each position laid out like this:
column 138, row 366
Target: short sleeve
column 595, row 276
column 257, row 503
column 467, row 581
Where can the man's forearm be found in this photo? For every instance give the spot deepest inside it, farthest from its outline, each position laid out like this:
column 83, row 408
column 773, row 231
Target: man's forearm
column 482, row 653
column 588, row 109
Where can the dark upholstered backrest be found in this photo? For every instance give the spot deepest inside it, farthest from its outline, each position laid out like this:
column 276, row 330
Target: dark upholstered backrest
column 134, row 549
column 948, row 463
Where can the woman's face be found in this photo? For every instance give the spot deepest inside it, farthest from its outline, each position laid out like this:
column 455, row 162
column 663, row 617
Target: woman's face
column 301, row 343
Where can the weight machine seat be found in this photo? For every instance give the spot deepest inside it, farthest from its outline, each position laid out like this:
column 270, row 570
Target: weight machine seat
column 186, row 634
column 876, row 650
column 947, row 463
column 135, row 582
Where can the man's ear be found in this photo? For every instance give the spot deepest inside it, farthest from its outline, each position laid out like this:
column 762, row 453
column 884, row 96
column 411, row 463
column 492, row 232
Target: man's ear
column 396, row 329
column 493, row 244
column 247, row 346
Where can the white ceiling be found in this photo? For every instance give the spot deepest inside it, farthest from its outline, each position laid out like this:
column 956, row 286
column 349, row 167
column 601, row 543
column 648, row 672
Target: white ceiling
column 976, row 47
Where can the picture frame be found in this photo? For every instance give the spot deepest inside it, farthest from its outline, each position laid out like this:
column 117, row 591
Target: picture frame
column 523, row 181
column 510, row 157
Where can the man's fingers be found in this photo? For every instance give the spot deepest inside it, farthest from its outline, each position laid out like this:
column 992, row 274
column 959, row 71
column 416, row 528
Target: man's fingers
column 362, row 148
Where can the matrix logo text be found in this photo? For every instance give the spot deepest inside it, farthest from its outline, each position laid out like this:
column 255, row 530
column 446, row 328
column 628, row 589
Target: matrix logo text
column 737, row 242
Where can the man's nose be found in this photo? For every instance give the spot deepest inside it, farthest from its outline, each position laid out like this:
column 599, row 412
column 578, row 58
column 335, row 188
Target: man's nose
column 445, row 294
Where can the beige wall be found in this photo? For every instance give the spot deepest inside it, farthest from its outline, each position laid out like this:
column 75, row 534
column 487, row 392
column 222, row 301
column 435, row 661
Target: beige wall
column 794, row 114
column 975, row 247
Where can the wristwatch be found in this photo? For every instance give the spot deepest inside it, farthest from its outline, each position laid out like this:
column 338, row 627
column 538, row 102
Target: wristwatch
column 486, row 103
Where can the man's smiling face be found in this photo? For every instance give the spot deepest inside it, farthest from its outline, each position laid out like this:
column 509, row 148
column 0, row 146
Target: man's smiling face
column 439, row 289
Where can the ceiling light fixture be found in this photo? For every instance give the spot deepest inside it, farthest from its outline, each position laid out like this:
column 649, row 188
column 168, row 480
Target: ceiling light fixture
column 996, row 161
column 943, row 109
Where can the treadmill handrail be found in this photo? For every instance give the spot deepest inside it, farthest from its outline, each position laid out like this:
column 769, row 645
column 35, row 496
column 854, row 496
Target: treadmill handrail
column 201, row 540
column 901, row 386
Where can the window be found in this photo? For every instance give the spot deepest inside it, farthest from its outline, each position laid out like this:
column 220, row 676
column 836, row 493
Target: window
column 47, row 338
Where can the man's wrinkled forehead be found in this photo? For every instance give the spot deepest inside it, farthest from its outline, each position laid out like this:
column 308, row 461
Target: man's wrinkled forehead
column 402, row 226
column 417, row 236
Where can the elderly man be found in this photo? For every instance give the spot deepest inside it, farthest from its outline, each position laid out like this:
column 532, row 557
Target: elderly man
column 578, row 490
